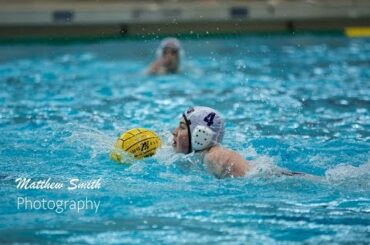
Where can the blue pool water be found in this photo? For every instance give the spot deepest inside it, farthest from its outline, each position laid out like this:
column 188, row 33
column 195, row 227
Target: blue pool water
column 300, row 103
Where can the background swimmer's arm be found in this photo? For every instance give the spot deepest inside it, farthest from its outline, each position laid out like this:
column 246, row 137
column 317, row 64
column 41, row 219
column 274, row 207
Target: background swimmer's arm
column 226, row 163
column 155, row 67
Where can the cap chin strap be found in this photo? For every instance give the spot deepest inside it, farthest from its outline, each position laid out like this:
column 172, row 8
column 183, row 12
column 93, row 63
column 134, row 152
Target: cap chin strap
column 187, row 122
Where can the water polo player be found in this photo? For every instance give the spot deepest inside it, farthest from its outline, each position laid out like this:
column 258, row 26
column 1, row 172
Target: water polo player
column 201, row 131
column 168, row 57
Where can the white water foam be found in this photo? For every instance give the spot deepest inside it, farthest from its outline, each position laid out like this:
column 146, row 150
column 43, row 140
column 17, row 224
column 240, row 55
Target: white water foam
column 348, row 174
column 90, row 138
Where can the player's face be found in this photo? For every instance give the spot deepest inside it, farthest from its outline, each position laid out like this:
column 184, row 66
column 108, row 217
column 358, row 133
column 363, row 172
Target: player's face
column 171, row 58
column 181, row 138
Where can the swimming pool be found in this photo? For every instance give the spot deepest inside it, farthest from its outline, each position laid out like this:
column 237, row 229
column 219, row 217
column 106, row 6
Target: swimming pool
column 300, row 103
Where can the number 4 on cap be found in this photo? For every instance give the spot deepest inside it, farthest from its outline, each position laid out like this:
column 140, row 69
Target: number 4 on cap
column 209, row 118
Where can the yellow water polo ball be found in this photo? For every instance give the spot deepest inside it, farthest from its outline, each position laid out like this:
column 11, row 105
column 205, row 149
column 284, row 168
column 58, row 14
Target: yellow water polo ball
column 135, row 143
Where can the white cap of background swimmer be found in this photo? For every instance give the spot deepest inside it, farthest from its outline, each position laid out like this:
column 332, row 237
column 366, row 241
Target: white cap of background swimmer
column 205, row 127
column 169, row 42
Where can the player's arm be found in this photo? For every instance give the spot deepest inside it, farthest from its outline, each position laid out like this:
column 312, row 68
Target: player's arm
column 156, row 67
column 226, row 163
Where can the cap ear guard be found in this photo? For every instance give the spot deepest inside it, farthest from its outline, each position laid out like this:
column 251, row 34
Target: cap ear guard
column 201, row 137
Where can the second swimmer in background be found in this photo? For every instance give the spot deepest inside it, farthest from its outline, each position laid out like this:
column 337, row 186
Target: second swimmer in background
column 168, row 57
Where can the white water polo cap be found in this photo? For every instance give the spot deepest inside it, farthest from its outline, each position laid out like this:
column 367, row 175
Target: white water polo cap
column 205, row 127
column 169, row 42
